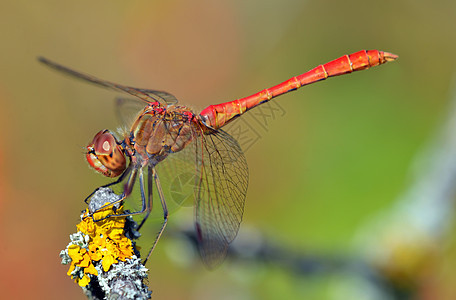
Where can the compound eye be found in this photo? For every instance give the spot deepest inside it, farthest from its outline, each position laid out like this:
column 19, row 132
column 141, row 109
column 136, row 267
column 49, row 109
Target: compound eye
column 104, row 143
column 105, row 155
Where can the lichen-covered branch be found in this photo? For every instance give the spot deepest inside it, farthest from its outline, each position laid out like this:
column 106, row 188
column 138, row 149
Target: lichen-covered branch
column 102, row 255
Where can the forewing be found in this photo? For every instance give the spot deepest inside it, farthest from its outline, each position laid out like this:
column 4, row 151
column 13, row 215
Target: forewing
column 127, row 110
column 221, row 187
column 143, row 94
column 160, row 96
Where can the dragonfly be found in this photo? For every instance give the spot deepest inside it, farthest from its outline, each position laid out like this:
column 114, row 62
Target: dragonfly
column 164, row 129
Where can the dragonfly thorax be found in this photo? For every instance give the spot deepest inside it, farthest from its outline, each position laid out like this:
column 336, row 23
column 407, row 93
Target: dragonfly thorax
column 160, row 131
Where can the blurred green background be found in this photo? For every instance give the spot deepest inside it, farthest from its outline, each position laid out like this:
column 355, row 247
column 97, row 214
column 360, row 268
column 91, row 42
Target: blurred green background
column 339, row 155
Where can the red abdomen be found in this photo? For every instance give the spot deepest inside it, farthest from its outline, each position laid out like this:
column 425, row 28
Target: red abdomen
column 216, row 116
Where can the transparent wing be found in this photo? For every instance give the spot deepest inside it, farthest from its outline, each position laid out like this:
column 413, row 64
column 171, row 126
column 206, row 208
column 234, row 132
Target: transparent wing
column 177, row 174
column 127, row 110
column 143, row 94
column 221, row 187
column 160, row 96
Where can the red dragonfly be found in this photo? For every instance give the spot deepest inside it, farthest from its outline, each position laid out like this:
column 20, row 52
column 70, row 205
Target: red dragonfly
column 164, row 129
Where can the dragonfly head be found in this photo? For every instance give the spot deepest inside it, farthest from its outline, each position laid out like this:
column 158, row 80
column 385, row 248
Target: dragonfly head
column 106, row 155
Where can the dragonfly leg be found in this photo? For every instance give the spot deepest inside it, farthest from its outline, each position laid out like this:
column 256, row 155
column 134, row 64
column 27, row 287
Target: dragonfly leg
column 127, row 191
column 165, row 212
column 146, row 205
column 149, row 196
column 120, row 179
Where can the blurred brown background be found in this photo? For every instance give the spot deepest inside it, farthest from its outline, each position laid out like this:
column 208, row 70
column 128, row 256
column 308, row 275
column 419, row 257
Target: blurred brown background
column 341, row 153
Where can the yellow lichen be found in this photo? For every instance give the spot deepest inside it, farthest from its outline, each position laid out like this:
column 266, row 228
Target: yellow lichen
column 107, row 244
